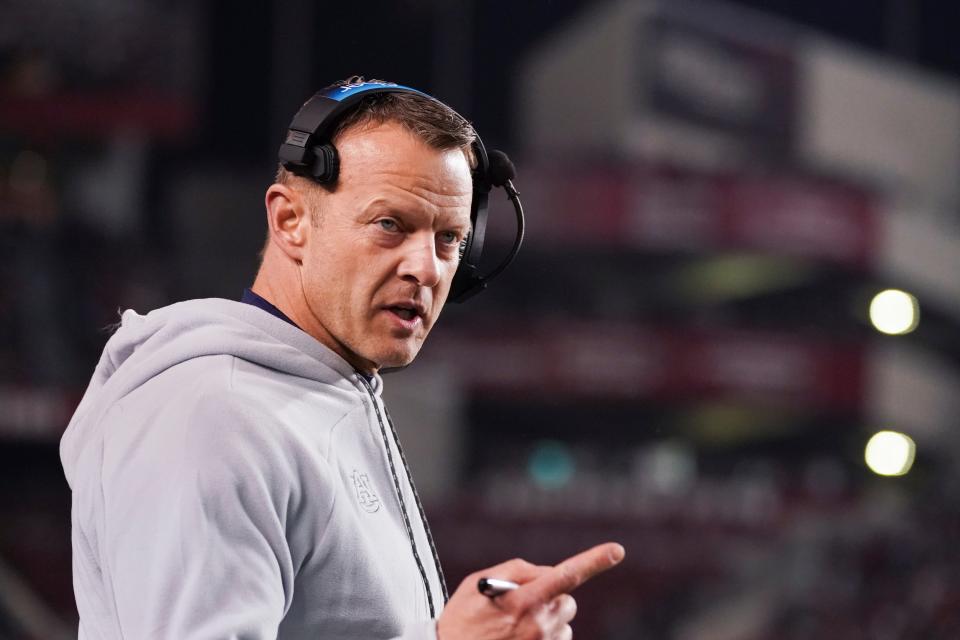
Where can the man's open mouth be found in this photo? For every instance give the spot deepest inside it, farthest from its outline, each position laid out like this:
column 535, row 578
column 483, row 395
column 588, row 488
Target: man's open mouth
column 407, row 313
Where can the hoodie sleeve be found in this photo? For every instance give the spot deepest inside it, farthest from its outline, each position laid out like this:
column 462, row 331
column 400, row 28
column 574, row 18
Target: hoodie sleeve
column 195, row 524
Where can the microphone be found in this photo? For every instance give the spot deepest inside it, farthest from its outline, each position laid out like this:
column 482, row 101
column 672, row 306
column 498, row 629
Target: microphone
column 501, row 172
column 500, row 168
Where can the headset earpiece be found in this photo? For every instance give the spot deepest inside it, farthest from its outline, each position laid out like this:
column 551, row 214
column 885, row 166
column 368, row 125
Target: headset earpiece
column 326, row 164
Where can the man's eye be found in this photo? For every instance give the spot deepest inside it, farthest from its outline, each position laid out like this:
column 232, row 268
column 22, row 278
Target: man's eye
column 449, row 237
column 388, row 225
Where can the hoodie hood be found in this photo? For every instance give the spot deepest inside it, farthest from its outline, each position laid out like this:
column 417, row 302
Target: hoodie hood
column 146, row 345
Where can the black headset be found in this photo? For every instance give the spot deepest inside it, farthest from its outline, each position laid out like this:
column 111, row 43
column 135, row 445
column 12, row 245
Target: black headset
column 309, row 152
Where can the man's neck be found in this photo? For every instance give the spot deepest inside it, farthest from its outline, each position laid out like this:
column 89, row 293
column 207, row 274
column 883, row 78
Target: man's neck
column 297, row 312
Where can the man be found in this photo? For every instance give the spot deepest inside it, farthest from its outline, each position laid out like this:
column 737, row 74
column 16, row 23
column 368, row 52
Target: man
column 234, row 471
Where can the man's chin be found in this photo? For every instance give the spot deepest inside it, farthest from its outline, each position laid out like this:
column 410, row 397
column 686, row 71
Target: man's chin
column 397, row 358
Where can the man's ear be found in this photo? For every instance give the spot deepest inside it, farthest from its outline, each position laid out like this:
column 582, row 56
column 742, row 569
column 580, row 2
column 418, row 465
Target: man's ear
column 288, row 220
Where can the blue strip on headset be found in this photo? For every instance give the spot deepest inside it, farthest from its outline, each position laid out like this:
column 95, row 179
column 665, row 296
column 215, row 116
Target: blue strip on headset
column 344, row 92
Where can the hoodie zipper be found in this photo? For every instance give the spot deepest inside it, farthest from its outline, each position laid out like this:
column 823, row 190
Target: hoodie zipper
column 403, row 506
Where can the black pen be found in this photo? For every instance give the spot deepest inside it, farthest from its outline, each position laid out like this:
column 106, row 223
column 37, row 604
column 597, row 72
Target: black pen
column 493, row 587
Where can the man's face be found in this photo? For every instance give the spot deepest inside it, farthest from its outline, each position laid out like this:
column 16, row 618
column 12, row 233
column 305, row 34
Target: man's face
column 380, row 259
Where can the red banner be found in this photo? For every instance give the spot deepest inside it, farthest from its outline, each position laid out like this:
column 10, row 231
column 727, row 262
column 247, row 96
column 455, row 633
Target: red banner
column 669, row 210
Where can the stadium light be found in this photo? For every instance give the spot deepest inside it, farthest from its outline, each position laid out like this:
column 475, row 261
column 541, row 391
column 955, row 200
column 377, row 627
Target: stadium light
column 890, row 453
column 894, row 312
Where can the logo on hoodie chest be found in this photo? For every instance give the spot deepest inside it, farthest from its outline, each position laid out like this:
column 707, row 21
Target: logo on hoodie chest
column 368, row 499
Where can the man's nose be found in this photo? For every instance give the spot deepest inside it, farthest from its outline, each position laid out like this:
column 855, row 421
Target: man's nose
column 420, row 262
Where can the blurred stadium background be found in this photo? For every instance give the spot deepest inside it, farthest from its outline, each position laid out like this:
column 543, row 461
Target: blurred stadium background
column 689, row 355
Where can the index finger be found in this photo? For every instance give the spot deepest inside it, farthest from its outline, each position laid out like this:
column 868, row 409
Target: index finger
column 568, row 575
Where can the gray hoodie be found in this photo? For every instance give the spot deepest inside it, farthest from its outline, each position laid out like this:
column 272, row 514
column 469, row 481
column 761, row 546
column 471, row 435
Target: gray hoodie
column 234, row 478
